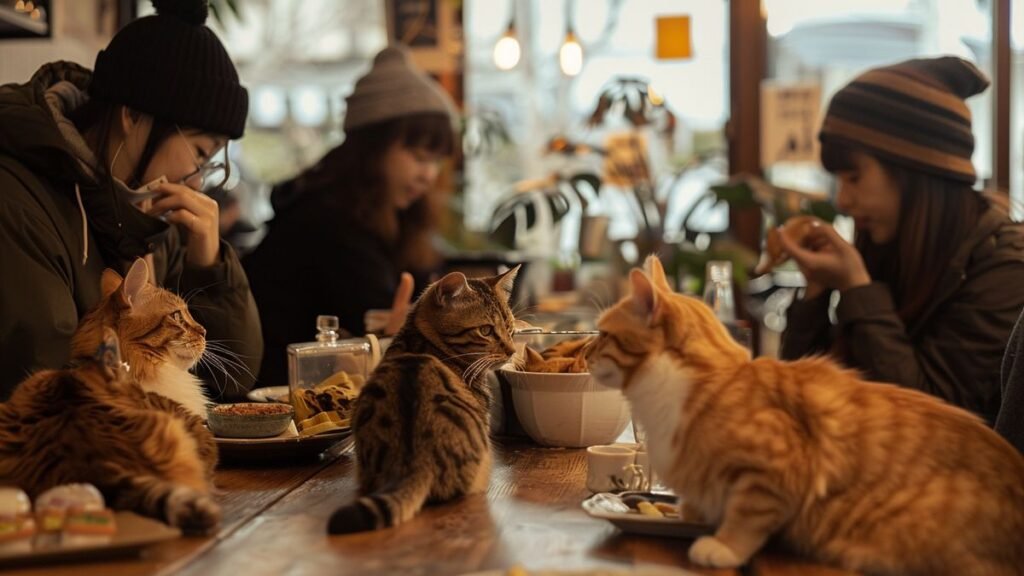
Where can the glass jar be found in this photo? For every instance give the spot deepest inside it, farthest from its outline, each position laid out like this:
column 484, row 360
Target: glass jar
column 325, row 376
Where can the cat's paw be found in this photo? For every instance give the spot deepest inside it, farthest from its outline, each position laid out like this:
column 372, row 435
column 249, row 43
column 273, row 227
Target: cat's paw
column 192, row 511
column 710, row 551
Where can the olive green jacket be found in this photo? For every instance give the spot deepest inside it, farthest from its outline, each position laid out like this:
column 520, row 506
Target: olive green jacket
column 50, row 271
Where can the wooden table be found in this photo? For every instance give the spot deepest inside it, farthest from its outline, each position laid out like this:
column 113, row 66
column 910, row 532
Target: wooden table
column 275, row 519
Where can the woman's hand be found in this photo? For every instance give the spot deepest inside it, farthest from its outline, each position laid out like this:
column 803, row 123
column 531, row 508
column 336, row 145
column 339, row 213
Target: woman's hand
column 400, row 305
column 827, row 261
column 198, row 214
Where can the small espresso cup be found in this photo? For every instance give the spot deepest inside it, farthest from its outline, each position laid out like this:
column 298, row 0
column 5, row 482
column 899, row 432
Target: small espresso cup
column 609, row 467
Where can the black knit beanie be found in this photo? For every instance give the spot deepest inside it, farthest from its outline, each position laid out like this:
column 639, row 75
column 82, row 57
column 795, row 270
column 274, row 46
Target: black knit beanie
column 912, row 113
column 171, row 66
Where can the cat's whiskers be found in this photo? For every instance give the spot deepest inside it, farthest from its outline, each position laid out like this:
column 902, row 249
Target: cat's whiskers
column 454, row 356
column 481, row 366
column 227, row 358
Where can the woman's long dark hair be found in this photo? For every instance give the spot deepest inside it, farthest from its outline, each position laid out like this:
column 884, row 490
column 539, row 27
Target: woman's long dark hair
column 936, row 216
column 352, row 175
column 97, row 117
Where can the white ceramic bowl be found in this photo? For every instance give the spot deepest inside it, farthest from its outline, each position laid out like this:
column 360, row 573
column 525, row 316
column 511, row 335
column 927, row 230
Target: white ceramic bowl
column 568, row 410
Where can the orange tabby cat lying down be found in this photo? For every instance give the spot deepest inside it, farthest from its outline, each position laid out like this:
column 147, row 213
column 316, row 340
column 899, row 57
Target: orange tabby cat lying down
column 870, row 477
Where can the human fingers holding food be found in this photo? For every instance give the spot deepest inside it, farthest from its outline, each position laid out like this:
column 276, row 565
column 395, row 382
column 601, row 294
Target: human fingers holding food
column 197, row 214
column 826, row 259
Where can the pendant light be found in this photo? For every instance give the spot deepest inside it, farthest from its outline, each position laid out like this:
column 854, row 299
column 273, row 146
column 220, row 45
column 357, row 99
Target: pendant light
column 507, row 51
column 570, row 55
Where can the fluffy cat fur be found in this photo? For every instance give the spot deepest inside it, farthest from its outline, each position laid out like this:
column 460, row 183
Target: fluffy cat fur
column 159, row 339
column 96, row 422
column 866, row 476
column 422, row 422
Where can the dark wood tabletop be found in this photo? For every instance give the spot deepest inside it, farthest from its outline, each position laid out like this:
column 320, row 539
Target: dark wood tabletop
column 275, row 523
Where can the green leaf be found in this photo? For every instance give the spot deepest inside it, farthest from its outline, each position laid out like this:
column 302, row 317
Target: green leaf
column 736, row 194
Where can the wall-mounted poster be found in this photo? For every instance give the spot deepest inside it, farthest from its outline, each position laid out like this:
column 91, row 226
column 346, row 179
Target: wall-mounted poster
column 414, row 23
column 789, row 122
column 432, row 29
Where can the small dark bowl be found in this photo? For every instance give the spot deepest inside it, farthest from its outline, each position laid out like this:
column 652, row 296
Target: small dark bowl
column 249, row 419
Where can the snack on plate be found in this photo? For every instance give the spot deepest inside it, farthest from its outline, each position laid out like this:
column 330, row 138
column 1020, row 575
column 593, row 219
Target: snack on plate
column 17, row 527
column 639, row 504
column 334, row 397
column 795, row 229
column 323, row 422
column 74, row 515
column 648, row 509
column 566, row 357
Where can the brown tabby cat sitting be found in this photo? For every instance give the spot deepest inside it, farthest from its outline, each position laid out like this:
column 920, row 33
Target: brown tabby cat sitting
column 95, row 423
column 871, row 477
column 422, row 421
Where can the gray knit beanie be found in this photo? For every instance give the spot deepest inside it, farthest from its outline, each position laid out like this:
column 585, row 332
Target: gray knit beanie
column 394, row 88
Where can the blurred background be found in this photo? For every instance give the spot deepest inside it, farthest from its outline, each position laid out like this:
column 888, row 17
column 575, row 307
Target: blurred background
column 593, row 131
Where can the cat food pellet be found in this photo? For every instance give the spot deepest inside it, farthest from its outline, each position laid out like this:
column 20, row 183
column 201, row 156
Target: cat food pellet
column 252, row 409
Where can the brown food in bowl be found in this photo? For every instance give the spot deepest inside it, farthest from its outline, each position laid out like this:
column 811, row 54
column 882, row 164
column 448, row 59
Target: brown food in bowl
column 252, row 409
column 796, row 229
column 566, row 357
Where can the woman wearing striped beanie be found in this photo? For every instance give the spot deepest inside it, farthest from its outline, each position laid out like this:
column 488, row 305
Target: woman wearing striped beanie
column 930, row 289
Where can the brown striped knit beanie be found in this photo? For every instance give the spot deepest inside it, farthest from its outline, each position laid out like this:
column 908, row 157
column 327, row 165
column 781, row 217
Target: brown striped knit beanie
column 912, row 113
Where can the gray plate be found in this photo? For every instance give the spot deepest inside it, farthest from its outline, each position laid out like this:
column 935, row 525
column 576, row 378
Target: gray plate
column 134, row 532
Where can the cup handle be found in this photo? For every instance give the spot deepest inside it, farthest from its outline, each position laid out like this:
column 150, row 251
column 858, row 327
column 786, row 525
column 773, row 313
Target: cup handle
column 374, row 350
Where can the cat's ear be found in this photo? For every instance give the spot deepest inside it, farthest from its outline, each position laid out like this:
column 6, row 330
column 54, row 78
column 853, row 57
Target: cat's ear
column 645, row 298
column 108, row 355
column 109, row 282
column 656, row 271
column 450, row 287
column 135, row 281
column 504, row 282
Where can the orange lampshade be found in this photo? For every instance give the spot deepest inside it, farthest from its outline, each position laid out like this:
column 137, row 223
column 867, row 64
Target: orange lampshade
column 674, row 38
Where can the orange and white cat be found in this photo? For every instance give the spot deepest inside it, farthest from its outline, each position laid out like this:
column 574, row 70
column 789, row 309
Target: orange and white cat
column 867, row 476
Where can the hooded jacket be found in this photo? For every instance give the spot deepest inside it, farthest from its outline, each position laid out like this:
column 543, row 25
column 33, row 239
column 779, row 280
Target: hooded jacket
column 62, row 224
column 954, row 349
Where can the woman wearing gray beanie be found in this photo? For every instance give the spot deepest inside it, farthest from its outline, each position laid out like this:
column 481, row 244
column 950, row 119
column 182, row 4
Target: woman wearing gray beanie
column 929, row 290
column 346, row 229
column 99, row 168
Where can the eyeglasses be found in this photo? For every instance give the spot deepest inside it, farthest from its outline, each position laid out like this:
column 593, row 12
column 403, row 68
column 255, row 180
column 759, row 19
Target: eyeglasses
column 213, row 175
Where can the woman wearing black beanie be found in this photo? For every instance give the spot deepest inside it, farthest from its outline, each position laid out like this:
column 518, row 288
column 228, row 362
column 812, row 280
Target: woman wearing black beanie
column 100, row 168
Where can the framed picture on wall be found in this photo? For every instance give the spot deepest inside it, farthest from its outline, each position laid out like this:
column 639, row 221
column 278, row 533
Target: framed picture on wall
column 24, row 19
column 430, row 28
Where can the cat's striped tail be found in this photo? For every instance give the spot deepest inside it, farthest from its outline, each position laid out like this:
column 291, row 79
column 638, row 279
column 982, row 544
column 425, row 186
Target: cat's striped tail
column 384, row 508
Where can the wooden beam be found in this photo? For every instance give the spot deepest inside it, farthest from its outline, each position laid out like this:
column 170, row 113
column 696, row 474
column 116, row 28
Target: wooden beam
column 1001, row 86
column 747, row 61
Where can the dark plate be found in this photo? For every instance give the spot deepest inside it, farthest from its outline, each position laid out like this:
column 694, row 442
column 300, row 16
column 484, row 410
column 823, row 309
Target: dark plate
column 277, row 450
